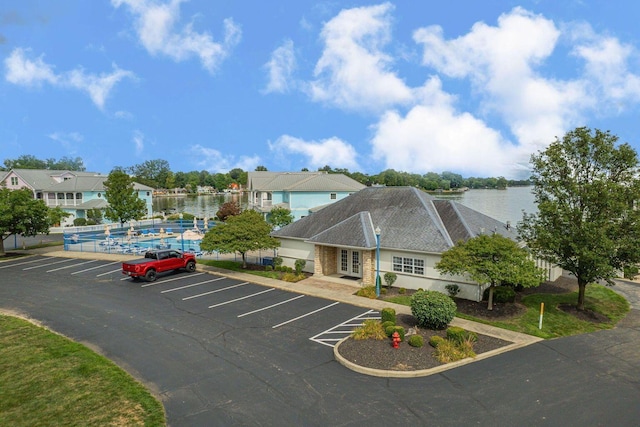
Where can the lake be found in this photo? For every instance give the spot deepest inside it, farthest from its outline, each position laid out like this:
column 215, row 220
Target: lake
column 503, row 205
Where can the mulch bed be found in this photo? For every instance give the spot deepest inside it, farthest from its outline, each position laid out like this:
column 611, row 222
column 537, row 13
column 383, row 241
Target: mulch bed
column 379, row 354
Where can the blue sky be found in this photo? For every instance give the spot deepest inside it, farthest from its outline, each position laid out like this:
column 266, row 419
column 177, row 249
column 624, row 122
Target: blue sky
column 473, row 87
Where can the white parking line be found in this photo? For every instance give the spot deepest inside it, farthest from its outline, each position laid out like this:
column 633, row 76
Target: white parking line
column 192, row 285
column 93, row 268
column 71, row 266
column 21, row 263
column 241, row 298
column 108, row 272
column 217, row 290
column 345, row 328
column 45, row 265
column 169, row 280
column 305, row 315
column 271, row 306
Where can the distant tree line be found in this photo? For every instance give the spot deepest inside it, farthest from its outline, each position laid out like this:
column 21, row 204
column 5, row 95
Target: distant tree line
column 158, row 174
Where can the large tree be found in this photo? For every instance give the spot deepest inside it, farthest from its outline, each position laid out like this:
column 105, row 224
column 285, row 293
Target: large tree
column 279, row 217
column 124, row 203
column 588, row 221
column 153, row 173
column 23, row 215
column 240, row 233
column 493, row 260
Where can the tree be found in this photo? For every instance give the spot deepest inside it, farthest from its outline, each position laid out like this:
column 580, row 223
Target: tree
column 21, row 214
column 124, row 203
column 240, row 233
column 261, row 168
column 587, row 222
column 493, row 260
column 227, row 210
column 94, row 215
column 279, row 217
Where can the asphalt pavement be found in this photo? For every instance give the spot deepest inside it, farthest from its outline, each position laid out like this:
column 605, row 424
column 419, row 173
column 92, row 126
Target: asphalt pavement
column 211, row 367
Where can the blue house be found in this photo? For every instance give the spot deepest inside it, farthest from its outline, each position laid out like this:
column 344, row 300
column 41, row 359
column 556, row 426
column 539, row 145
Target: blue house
column 300, row 192
column 75, row 192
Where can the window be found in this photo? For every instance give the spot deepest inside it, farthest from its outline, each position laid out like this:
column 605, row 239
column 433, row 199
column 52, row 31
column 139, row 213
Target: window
column 14, row 180
column 333, row 196
column 408, row 265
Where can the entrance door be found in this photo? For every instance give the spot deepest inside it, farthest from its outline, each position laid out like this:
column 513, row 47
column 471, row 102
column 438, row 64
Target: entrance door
column 349, row 262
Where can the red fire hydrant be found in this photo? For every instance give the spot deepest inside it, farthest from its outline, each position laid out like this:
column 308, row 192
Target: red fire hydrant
column 395, row 339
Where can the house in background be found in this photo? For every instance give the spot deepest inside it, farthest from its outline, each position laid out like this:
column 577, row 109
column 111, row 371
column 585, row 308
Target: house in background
column 414, row 230
column 75, row 192
column 300, row 192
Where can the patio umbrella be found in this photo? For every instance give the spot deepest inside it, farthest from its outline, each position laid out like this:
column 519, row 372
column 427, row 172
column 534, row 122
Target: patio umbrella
column 195, row 223
column 107, row 232
column 129, row 233
column 162, row 236
column 206, row 223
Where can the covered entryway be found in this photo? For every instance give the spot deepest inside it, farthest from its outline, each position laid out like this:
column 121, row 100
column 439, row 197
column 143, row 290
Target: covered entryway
column 350, row 262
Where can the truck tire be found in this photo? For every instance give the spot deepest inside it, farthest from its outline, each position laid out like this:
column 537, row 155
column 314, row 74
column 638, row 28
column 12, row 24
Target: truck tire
column 190, row 267
column 151, row 275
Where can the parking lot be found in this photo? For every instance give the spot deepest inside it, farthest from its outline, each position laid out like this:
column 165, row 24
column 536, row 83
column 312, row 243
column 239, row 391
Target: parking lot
column 223, row 351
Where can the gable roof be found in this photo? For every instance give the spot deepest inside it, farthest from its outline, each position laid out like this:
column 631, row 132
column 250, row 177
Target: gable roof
column 409, row 219
column 301, row 181
column 45, row 180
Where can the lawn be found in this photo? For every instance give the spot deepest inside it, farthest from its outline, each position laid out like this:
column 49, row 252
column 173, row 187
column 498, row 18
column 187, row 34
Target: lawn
column 556, row 322
column 47, row 379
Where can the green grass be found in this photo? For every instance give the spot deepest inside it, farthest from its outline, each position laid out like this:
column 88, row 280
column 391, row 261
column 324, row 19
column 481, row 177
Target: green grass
column 557, row 323
column 47, row 379
column 237, row 266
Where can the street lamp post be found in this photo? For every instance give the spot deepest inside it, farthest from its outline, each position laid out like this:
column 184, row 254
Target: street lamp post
column 181, row 233
column 377, row 261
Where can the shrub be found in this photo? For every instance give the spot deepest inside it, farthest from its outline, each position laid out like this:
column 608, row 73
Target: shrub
column 91, row 222
column 383, row 291
column 452, row 289
column 370, row 329
column 389, row 329
column 277, row 261
column 292, row 277
column 289, row 269
column 388, row 314
column 367, row 292
column 79, row 222
column 268, row 268
column 388, row 323
column 501, row 294
column 402, row 291
column 300, row 263
column 436, row 340
column 459, row 335
column 432, row 309
column 390, row 278
column 400, row 330
column 416, row 341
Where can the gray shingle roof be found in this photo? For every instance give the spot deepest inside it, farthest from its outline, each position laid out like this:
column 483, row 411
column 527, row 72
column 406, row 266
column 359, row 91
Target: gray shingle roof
column 42, row 180
column 301, row 181
column 409, row 219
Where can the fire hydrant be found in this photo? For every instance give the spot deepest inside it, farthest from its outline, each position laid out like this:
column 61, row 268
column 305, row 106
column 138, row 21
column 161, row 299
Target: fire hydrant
column 395, row 339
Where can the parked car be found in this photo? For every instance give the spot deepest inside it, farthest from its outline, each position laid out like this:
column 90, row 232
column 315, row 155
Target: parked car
column 159, row 261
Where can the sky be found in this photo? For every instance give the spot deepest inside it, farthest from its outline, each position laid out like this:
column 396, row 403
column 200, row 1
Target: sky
column 471, row 87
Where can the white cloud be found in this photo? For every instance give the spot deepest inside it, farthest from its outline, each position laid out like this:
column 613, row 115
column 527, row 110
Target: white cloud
column 214, row 161
column 433, row 137
column 155, row 25
column 123, row 115
column 332, row 151
column 69, row 140
column 138, row 142
column 280, row 68
column 354, row 73
column 25, row 72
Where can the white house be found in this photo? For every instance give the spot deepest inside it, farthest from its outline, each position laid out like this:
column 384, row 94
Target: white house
column 414, row 230
column 75, row 192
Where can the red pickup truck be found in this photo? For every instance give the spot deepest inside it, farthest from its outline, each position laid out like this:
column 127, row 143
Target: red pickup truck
column 157, row 261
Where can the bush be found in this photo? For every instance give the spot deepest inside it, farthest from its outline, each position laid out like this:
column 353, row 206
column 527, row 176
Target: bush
column 416, row 341
column 79, row 222
column 300, row 263
column 452, row 289
column 383, row 291
column 390, row 278
column 388, row 323
column 91, row 222
column 501, row 294
column 277, row 261
column 400, row 330
column 436, row 340
column 459, row 335
column 432, row 309
column 388, row 314
column 389, row 329
column 292, row 277
column 402, row 291
column 367, row 292
column 370, row 329
column 268, row 268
